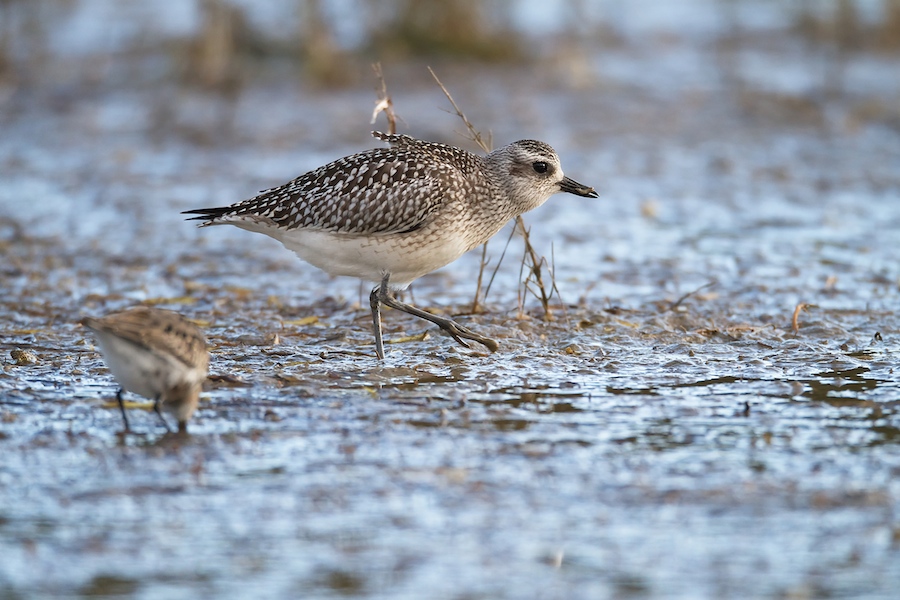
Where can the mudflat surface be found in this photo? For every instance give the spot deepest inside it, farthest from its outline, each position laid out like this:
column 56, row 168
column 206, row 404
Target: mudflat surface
column 668, row 433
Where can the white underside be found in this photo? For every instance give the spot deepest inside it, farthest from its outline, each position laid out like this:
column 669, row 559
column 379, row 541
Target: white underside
column 143, row 372
column 405, row 256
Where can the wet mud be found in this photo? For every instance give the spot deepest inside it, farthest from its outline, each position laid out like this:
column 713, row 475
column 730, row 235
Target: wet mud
column 673, row 431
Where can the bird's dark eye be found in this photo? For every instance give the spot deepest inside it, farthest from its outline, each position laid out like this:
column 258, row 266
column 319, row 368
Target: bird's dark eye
column 539, row 166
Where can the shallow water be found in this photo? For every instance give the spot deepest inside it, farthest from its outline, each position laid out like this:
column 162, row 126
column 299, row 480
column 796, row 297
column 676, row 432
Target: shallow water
column 667, row 434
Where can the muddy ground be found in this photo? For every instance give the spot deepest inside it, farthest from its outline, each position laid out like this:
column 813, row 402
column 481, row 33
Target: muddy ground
column 670, row 433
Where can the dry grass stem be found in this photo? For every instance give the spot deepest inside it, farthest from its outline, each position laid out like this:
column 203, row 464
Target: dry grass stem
column 795, row 319
column 553, row 287
column 678, row 302
column 474, row 133
column 535, row 270
column 486, row 147
column 384, row 104
column 531, row 254
column 499, row 262
column 482, row 265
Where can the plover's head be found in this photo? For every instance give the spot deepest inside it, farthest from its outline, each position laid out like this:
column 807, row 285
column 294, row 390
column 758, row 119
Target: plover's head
column 531, row 173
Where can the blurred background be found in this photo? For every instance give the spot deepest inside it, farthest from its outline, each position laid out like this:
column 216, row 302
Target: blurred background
column 66, row 51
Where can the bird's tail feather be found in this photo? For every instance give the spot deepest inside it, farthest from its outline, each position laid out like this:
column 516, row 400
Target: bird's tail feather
column 209, row 215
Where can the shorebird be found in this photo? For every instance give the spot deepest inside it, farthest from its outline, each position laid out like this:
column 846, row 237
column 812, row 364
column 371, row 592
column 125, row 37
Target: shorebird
column 157, row 354
column 390, row 215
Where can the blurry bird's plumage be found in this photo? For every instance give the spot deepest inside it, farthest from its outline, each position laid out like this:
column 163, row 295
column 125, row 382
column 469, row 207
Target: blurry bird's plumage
column 157, row 354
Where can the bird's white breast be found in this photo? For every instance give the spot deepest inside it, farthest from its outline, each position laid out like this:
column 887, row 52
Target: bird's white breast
column 405, row 257
column 150, row 374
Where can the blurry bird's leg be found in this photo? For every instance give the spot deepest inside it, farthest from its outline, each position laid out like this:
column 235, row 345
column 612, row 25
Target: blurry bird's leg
column 159, row 412
column 122, row 408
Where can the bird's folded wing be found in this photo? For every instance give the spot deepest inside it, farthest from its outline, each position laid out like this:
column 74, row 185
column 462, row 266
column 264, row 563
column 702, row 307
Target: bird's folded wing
column 383, row 191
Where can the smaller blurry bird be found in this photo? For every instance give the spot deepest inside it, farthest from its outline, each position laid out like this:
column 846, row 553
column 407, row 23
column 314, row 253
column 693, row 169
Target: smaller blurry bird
column 157, row 354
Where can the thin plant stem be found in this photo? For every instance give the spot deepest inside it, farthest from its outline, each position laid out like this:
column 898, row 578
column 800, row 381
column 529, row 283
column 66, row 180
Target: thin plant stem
column 535, row 267
column 384, row 104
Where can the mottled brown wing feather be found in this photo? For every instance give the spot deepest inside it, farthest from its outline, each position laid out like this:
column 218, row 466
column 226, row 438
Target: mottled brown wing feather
column 156, row 330
column 380, row 191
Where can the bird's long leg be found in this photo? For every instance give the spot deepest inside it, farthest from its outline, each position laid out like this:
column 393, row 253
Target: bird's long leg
column 457, row 331
column 156, row 404
column 375, row 303
column 122, row 408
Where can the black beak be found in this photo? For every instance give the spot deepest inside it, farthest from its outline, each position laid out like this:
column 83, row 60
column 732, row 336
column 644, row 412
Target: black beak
column 573, row 187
